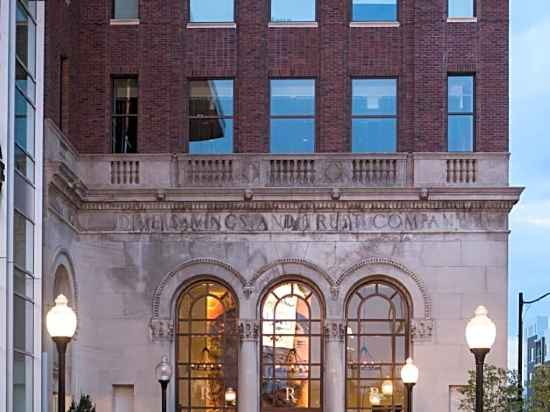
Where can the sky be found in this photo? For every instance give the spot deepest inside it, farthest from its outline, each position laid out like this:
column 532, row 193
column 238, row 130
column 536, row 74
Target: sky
column 530, row 147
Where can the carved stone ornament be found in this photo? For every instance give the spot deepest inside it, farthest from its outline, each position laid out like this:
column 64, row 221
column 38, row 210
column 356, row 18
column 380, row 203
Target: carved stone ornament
column 161, row 330
column 249, row 329
column 334, row 292
column 335, row 330
column 422, row 329
column 248, row 290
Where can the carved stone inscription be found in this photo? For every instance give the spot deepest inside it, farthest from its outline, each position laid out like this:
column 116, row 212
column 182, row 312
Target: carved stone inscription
column 347, row 222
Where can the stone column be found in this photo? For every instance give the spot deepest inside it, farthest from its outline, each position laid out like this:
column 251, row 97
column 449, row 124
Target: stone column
column 335, row 368
column 249, row 371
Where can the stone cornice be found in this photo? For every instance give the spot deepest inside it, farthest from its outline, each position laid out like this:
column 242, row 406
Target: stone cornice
column 297, row 205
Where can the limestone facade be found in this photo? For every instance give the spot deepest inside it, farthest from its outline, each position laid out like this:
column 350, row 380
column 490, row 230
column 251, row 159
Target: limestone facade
column 130, row 232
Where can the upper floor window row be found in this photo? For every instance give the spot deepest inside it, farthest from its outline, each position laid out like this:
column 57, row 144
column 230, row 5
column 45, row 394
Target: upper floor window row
column 219, row 11
column 293, row 115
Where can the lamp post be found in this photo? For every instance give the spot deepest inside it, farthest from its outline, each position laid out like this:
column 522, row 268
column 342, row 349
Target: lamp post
column 481, row 333
column 522, row 303
column 164, row 373
column 409, row 376
column 61, row 324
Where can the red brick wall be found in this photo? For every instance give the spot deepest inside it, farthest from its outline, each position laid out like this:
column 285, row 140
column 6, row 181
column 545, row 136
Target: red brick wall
column 165, row 54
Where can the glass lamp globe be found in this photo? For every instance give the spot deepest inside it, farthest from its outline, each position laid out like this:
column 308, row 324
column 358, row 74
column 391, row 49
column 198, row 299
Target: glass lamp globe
column 230, row 396
column 481, row 331
column 409, row 372
column 61, row 320
column 163, row 370
column 374, row 397
column 387, row 387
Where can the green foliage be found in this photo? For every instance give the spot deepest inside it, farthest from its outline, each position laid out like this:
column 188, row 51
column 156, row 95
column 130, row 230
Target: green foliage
column 84, row 405
column 540, row 390
column 500, row 391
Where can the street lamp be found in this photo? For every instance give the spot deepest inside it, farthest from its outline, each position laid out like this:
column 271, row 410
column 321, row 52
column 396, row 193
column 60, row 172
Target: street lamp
column 481, row 333
column 61, row 324
column 164, row 373
column 409, row 376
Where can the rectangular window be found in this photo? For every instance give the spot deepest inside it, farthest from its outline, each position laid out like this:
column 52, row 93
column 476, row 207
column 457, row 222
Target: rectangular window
column 374, row 115
column 461, row 117
column 211, row 117
column 374, row 10
column 292, row 10
column 292, row 116
column 125, row 9
column 212, row 11
column 461, row 8
column 25, row 49
column 125, row 115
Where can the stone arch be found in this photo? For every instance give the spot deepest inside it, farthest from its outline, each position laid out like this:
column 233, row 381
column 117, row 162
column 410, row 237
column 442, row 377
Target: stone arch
column 264, row 277
column 63, row 279
column 376, row 266
column 167, row 292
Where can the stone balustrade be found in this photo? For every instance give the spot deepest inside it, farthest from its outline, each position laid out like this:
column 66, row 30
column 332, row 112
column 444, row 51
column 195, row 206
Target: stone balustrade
column 255, row 171
column 275, row 171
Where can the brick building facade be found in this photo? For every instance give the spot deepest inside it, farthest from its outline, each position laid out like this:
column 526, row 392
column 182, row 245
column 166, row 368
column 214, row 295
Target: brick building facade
column 140, row 227
column 164, row 52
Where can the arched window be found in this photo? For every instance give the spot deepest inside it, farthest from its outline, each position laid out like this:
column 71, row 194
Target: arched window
column 207, row 348
column 292, row 348
column 377, row 345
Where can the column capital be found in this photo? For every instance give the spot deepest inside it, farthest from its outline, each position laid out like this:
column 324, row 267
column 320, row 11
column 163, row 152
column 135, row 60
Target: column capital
column 335, row 330
column 249, row 329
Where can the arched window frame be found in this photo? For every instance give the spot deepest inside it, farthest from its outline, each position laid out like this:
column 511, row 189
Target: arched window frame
column 233, row 368
column 315, row 291
column 406, row 318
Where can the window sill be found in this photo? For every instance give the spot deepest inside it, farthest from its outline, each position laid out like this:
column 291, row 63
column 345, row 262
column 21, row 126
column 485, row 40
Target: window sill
column 375, row 24
column 293, row 24
column 220, row 25
column 462, row 20
column 124, row 22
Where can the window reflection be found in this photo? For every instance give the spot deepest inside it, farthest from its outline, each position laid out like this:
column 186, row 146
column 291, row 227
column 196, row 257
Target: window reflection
column 374, row 10
column 374, row 115
column 125, row 9
column 376, row 348
column 292, row 116
column 207, row 348
column 125, row 115
column 461, row 8
column 25, row 39
column 461, row 113
column 288, row 10
column 211, row 117
column 212, row 11
column 291, row 348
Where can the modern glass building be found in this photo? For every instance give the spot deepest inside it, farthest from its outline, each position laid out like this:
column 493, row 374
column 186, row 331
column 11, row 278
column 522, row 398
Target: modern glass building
column 21, row 138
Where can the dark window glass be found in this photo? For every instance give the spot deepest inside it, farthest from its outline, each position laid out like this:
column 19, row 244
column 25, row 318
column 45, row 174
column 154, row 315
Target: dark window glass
column 374, row 10
column 374, row 115
column 211, row 117
column 25, row 39
column 22, row 382
column 24, row 123
column 125, row 115
column 292, row 10
column 125, row 9
column 23, row 321
column 377, row 336
column 212, row 11
column 461, row 8
column 23, row 240
column 292, row 116
column 461, row 113
column 24, row 81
